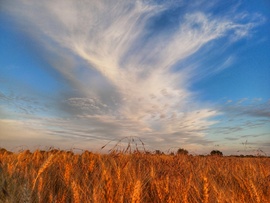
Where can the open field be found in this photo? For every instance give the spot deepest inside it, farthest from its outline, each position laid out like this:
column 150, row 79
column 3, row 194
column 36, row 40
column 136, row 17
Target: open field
column 61, row 176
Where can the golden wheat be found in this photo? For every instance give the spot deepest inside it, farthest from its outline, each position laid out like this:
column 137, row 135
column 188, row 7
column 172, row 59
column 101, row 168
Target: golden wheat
column 101, row 178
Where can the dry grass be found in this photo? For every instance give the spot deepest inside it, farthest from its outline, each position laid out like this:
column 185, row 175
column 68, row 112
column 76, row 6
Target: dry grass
column 58, row 176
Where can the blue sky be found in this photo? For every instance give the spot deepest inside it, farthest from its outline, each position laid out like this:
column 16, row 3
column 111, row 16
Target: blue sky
column 174, row 73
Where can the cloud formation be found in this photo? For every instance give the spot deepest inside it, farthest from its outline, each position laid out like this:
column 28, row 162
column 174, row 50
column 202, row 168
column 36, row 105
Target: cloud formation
column 122, row 63
column 256, row 108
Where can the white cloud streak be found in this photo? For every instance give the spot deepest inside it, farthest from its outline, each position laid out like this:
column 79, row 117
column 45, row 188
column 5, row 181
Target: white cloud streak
column 115, row 40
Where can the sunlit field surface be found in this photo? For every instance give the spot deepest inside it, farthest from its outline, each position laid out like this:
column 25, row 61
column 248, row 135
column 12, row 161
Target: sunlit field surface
column 63, row 176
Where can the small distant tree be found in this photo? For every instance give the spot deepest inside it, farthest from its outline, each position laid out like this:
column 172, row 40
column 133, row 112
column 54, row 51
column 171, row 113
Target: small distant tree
column 148, row 152
column 158, row 152
column 182, row 151
column 216, row 153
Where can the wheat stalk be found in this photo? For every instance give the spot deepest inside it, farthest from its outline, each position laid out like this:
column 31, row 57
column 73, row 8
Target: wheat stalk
column 67, row 173
column 26, row 194
column 95, row 195
column 159, row 190
column 205, row 190
column 166, row 189
column 62, row 199
column 185, row 195
column 254, row 192
column 42, row 169
column 108, row 182
column 218, row 193
column 136, row 197
column 91, row 166
column 76, row 194
column 118, row 173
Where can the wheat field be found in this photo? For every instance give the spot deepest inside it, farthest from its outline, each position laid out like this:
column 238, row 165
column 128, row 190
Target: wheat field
column 63, row 176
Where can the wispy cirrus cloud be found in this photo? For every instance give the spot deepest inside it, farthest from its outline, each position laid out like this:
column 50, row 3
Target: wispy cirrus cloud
column 256, row 108
column 119, row 42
